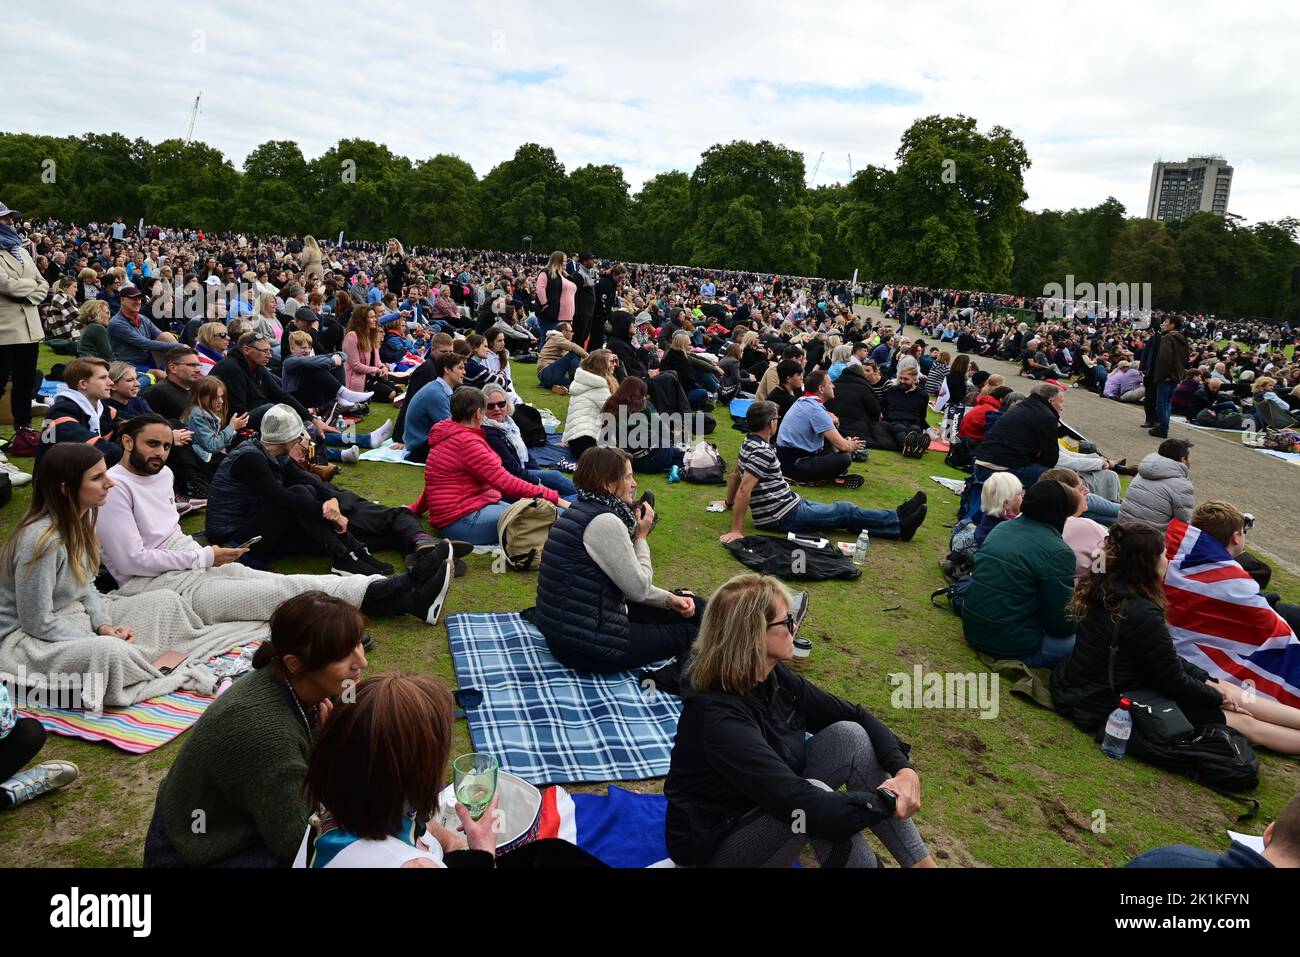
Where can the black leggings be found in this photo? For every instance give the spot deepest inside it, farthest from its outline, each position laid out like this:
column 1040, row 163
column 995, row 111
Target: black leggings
column 653, row 635
column 581, row 444
column 18, row 363
column 17, row 748
column 813, row 466
column 285, row 532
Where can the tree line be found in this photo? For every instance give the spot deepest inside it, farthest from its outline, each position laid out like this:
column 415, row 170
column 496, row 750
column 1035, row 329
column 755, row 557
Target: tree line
column 950, row 214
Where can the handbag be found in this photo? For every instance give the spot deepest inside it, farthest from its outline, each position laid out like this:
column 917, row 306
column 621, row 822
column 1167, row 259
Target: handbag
column 1156, row 717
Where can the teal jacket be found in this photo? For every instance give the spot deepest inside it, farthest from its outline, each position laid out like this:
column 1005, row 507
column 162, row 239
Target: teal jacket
column 1021, row 581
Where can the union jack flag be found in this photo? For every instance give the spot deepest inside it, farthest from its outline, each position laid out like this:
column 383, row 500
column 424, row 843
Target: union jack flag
column 1221, row 622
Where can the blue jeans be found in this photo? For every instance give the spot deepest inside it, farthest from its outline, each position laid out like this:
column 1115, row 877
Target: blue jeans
column 819, row 516
column 1164, row 395
column 697, row 398
column 1101, row 510
column 1099, row 377
column 477, row 528
column 708, row 380
column 1052, row 651
column 559, row 372
column 552, row 479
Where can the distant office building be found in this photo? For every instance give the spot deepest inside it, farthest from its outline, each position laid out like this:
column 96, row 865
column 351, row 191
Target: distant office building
column 1201, row 185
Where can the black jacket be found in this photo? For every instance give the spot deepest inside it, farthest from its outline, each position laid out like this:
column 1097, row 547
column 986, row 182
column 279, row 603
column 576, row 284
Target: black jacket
column 855, row 404
column 606, row 292
column 735, row 753
column 1145, row 658
column 1023, row 435
column 245, row 391
column 904, row 406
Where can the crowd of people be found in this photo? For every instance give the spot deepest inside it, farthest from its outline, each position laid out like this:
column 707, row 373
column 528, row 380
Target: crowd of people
column 226, row 374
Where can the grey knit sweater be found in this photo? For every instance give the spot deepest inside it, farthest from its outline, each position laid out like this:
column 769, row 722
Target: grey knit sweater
column 32, row 592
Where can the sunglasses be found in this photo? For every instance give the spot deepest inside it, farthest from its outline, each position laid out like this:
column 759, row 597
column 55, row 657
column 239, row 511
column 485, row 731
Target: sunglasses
column 788, row 621
column 496, row 405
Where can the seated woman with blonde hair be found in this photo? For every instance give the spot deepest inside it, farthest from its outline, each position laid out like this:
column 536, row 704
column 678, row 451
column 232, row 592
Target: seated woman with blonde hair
column 743, row 767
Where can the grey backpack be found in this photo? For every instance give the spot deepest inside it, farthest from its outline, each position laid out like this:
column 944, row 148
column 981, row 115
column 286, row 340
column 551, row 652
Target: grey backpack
column 702, row 464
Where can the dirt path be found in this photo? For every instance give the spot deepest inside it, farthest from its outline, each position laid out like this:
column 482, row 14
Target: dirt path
column 1222, row 467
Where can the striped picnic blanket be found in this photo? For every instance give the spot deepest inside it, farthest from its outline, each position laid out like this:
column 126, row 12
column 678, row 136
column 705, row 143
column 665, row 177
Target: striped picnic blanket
column 550, row 724
column 137, row 729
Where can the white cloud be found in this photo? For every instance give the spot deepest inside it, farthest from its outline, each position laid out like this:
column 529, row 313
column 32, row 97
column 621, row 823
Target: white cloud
column 1097, row 91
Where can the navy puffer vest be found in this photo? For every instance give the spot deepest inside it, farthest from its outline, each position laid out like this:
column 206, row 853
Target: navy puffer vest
column 231, row 501
column 579, row 608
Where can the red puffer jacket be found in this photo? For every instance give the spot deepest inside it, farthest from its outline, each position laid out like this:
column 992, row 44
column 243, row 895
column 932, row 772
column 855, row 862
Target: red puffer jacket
column 463, row 474
column 972, row 423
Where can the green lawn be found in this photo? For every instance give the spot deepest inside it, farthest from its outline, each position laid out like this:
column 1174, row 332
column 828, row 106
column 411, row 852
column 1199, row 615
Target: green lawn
column 1022, row 789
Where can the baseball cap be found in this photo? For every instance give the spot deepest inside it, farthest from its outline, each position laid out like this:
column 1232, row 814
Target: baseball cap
column 213, row 281
column 129, row 292
column 6, row 211
column 584, row 256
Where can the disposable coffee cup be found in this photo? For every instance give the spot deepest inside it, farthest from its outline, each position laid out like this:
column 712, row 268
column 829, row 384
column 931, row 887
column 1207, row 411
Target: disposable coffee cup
column 802, row 651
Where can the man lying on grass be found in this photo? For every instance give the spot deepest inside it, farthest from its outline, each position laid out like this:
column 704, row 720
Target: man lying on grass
column 757, row 484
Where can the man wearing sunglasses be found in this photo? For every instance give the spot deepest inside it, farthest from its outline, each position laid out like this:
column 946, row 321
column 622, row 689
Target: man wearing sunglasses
column 251, row 389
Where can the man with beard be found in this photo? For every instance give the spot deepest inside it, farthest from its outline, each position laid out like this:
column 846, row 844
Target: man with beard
column 144, row 549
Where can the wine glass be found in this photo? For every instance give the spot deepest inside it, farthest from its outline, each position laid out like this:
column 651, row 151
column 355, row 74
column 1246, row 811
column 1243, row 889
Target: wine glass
column 474, row 779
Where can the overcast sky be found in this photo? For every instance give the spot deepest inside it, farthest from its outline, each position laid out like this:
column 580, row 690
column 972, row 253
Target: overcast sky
column 1096, row 91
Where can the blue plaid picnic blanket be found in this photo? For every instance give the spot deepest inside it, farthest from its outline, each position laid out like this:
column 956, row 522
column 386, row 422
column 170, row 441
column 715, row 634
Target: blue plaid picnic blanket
column 550, row 724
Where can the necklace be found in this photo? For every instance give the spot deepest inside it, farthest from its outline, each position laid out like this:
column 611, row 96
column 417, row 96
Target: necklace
column 298, row 704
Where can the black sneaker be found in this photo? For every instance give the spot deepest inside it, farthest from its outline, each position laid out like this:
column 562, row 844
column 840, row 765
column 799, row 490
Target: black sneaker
column 433, row 573
column 380, row 567
column 353, row 564
column 799, row 607
column 911, row 505
column 907, row 526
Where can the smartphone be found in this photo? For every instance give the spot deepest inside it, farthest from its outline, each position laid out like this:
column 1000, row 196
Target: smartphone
column 168, row 661
column 251, row 542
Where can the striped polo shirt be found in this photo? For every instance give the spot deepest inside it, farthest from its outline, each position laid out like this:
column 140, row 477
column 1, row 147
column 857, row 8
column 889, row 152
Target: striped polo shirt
column 772, row 497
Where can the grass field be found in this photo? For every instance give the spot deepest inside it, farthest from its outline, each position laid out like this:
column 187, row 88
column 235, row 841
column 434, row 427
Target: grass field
column 1023, row 789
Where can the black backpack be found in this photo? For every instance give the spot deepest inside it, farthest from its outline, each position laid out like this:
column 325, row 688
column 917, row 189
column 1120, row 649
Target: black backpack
column 1214, row 755
column 530, row 425
column 955, row 593
column 797, row 561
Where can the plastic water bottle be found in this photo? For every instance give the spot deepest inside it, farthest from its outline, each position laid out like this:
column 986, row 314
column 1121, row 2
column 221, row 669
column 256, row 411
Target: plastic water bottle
column 1118, row 728
column 674, row 474
column 860, row 548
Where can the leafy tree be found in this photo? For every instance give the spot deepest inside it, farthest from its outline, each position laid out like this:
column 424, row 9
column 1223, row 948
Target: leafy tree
column 444, row 202
column 273, row 190
column 660, row 219
column 528, row 195
column 1145, row 252
column 599, row 195
column 953, row 184
column 739, row 190
column 358, row 187
column 190, row 184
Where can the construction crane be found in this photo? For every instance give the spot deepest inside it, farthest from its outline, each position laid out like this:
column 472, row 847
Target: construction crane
column 850, row 166
column 194, row 115
column 813, row 181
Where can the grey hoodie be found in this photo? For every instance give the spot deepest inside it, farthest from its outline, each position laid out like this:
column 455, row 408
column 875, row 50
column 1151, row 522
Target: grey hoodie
column 1160, row 493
